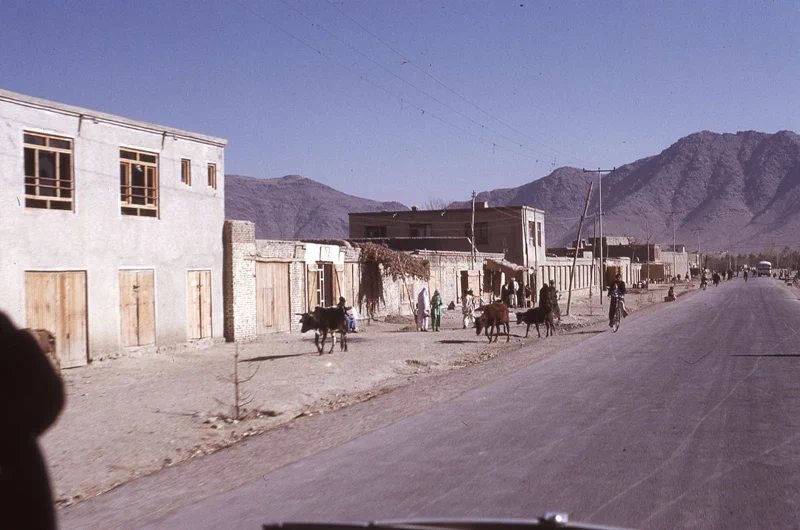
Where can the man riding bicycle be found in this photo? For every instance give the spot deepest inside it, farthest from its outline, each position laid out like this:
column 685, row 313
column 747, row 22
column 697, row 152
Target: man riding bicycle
column 619, row 286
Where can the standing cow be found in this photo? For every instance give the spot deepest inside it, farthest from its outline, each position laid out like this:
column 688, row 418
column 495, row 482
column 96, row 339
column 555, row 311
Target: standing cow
column 494, row 315
column 536, row 316
column 324, row 320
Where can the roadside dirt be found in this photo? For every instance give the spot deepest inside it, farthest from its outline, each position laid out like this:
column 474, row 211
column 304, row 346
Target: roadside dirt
column 133, row 416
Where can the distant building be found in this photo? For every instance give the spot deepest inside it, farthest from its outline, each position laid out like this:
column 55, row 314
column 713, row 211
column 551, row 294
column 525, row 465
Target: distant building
column 112, row 229
column 518, row 232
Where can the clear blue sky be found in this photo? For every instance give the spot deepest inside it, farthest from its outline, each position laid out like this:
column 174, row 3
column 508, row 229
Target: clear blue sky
column 603, row 82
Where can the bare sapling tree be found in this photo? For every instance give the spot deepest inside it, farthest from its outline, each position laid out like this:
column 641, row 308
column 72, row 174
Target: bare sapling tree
column 436, row 203
column 240, row 399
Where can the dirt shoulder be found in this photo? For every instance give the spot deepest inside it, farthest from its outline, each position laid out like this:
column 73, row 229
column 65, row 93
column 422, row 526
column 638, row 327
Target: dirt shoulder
column 133, row 416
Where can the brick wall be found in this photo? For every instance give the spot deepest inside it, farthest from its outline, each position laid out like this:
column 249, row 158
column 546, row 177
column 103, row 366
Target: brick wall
column 239, row 277
column 297, row 283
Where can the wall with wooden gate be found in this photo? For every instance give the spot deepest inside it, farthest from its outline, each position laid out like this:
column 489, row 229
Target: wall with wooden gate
column 273, row 302
column 56, row 301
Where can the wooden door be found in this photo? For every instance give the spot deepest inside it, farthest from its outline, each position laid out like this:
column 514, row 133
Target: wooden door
column 351, row 283
column 56, row 301
column 137, row 307
column 273, row 303
column 199, row 293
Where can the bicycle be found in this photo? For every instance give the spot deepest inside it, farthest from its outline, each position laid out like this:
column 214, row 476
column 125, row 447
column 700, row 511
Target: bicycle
column 617, row 300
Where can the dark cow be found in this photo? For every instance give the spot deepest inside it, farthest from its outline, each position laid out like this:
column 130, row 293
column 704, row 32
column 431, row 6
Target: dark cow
column 494, row 315
column 536, row 316
column 325, row 320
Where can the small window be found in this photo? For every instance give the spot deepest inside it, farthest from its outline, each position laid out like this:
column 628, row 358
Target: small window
column 186, row 171
column 481, row 232
column 212, row 175
column 48, row 172
column 532, row 232
column 376, row 231
column 539, row 233
column 420, row 230
column 138, row 183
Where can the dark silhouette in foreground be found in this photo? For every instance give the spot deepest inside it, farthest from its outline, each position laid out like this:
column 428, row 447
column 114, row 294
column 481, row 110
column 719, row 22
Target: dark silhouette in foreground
column 31, row 398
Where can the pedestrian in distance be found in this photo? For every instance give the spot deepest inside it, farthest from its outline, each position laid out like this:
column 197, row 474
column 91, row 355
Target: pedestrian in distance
column 468, row 309
column 423, row 309
column 436, row 309
column 349, row 319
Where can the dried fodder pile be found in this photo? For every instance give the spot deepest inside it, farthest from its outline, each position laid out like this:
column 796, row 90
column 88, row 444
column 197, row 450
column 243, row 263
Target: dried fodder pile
column 397, row 264
column 379, row 262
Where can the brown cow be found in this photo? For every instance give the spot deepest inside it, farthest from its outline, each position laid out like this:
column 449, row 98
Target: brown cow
column 47, row 342
column 494, row 315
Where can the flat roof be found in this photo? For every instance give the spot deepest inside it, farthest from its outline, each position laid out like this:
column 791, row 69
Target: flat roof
column 477, row 209
column 30, row 101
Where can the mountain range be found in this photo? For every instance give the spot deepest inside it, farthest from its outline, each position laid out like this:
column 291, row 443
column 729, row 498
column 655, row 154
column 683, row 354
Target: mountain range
column 294, row 207
column 737, row 192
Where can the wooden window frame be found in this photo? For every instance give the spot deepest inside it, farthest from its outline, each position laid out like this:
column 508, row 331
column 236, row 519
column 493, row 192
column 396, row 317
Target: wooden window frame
column 420, row 230
column 186, row 171
column 482, row 232
column 151, row 204
column 47, row 202
column 377, row 228
column 538, row 233
column 212, row 175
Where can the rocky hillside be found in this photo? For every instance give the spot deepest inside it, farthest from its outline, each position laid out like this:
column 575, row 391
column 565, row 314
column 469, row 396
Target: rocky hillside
column 741, row 190
column 294, row 207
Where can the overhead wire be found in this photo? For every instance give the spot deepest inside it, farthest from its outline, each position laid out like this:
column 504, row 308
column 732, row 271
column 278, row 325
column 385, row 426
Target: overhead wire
column 378, row 86
column 421, row 91
column 425, row 72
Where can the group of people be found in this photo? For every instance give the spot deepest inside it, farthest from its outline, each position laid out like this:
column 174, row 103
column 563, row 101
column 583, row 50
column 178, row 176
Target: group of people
column 429, row 310
column 717, row 277
column 515, row 295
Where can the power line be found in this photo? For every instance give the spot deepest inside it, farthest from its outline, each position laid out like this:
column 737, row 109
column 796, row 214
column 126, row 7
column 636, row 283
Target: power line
column 421, row 91
column 425, row 72
column 376, row 85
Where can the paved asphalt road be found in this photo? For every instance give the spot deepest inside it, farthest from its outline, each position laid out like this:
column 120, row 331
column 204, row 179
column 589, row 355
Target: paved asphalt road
column 683, row 419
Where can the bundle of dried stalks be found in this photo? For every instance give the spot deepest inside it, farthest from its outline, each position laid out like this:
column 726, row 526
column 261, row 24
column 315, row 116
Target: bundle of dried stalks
column 397, row 264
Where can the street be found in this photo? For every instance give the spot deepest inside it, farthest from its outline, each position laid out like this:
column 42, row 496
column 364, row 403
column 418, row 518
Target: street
column 683, row 419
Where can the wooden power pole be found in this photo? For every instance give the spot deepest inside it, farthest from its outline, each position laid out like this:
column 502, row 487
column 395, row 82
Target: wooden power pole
column 472, row 230
column 577, row 244
column 600, row 213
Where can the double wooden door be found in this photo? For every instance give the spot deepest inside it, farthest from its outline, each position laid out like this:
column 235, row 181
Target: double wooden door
column 56, row 301
column 273, row 303
column 137, row 307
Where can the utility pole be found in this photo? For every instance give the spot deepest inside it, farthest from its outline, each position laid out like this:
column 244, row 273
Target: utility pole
column 591, row 272
column 577, row 244
column 472, row 230
column 600, row 213
column 674, row 250
column 647, row 260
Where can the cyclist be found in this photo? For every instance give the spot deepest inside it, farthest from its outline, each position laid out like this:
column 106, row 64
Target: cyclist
column 619, row 286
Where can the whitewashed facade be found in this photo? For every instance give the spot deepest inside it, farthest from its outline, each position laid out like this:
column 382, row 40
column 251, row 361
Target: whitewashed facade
column 110, row 229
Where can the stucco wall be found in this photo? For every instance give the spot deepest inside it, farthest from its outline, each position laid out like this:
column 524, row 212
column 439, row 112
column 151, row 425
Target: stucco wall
column 97, row 238
column 559, row 270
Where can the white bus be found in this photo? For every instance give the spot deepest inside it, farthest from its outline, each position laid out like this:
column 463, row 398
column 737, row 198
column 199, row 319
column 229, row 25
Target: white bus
column 764, row 268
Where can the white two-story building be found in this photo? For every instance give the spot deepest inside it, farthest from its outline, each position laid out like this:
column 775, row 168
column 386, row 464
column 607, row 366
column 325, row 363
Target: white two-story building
column 110, row 229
